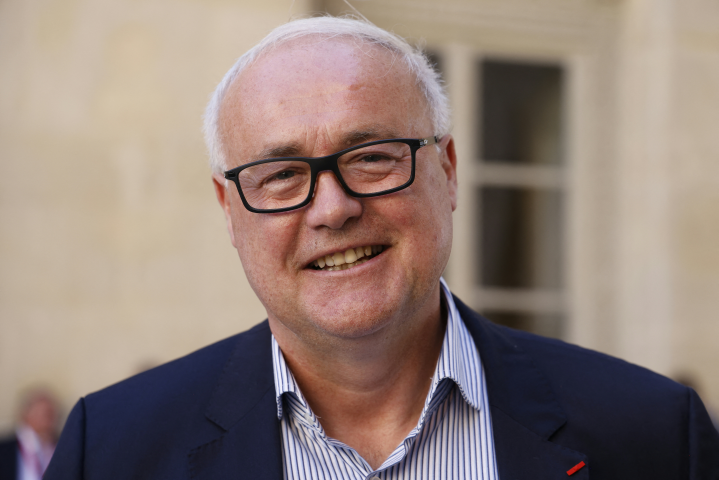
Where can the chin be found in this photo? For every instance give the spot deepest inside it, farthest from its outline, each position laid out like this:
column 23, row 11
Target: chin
column 354, row 320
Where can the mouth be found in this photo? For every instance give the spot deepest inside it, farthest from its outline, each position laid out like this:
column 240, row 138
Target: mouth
column 349, row 258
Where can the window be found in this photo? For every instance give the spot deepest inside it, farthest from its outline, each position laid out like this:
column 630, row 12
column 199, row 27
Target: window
column 519, row 196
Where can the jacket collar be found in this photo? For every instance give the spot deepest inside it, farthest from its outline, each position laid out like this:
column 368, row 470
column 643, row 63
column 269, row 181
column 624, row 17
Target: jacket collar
column 243, row 406
column 514, row 384
column 525, row 411
column 245, row 379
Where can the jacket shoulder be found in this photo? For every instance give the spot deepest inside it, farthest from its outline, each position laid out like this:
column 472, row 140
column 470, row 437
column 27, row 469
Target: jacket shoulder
column 145, row 426
column 184, row 375
column 577, row 375
column 613, row 406
column 582, row 376
column 627, row 420
column 169, row 401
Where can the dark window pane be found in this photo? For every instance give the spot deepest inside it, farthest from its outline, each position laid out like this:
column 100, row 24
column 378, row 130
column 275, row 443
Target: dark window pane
column 548, row 325
column 520, row 237
column 521, row 112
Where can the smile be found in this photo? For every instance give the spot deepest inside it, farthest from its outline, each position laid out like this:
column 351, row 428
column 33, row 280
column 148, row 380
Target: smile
column 347, row 259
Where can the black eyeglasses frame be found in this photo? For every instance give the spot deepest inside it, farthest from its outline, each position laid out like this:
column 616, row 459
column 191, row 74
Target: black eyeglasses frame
column 329, row 163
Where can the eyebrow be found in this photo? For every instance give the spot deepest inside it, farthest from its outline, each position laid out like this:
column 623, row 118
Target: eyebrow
column 349, row 139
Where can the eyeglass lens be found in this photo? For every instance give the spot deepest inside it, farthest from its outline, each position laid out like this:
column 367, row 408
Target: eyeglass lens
column 286, row 183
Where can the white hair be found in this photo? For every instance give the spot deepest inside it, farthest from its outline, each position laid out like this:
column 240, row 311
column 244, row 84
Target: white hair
column 428, row 80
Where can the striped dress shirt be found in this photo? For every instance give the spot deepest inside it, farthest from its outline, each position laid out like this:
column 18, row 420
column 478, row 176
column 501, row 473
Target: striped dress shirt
column 452, row 440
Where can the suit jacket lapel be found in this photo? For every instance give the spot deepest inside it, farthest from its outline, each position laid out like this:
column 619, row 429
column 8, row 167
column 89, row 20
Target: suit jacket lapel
column 522, row 454
column 243, row 406
column 525, row 413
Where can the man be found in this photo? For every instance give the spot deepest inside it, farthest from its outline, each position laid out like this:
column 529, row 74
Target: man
column 26, row 455
column 337, row 176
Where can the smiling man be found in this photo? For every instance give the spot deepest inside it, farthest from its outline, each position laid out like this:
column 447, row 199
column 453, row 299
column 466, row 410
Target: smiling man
column 336, row 173
column 345, row 256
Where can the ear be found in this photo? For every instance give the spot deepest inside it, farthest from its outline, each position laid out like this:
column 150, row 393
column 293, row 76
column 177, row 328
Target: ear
column 448, row 161
column 222, row 193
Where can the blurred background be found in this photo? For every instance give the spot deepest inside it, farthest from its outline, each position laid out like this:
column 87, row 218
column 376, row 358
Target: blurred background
column 587, row 133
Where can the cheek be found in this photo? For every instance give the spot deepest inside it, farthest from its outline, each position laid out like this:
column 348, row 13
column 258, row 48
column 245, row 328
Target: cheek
column 423, row 220
column 264, row 243
column 432, row 210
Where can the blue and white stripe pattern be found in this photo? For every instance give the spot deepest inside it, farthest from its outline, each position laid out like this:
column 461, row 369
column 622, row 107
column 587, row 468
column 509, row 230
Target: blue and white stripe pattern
column 452, row 440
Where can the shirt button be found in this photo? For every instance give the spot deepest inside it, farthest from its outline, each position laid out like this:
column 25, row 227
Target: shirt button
column 308, row 417
column 374, row 478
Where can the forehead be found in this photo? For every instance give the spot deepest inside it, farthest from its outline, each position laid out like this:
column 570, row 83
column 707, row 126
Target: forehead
column 320, row 88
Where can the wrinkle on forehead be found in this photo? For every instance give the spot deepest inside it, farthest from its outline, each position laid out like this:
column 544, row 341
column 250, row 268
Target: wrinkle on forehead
column 304, row 106
column 296, row 149
column 309, row 96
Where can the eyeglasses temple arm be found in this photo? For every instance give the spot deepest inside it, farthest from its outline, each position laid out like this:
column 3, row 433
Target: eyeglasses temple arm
column 428, row 141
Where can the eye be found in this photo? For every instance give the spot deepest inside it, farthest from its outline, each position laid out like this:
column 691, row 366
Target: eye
column 373, row 158
column 282, row 175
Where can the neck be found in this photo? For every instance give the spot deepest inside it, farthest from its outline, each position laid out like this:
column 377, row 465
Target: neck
column 369, row 388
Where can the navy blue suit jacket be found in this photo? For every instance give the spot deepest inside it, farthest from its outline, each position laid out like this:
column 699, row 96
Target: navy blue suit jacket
column 212, row 415
column 8, row 458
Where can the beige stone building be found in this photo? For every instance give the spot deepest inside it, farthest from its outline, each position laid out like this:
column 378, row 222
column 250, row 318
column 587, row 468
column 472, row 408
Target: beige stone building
column 588, row 157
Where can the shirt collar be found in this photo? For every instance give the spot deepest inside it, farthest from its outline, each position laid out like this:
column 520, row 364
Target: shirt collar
column 27, row 437
column 284, row 380
column 458, row 361
column 459, row 357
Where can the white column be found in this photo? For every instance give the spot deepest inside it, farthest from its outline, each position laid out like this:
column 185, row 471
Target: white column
column 463, row 85
column 644, row 295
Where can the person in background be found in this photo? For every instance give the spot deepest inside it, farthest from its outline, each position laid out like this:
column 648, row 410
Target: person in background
column 26, row 454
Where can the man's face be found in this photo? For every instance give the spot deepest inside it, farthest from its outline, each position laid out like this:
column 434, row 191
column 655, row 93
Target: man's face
column 313, row 98
column 41, row 416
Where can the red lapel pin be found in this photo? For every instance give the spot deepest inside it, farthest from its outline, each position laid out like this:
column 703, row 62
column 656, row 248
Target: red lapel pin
column 575, row 468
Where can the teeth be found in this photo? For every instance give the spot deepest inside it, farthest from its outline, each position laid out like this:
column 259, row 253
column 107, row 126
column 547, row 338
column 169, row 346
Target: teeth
column 347, row 259
column 345, row 266
column 339, row 259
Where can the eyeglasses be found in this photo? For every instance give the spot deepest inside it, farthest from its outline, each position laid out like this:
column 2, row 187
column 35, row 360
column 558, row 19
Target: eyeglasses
column 367, row 170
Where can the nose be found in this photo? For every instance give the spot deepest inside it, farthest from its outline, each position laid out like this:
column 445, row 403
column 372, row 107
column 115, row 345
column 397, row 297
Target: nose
column 331, row 206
